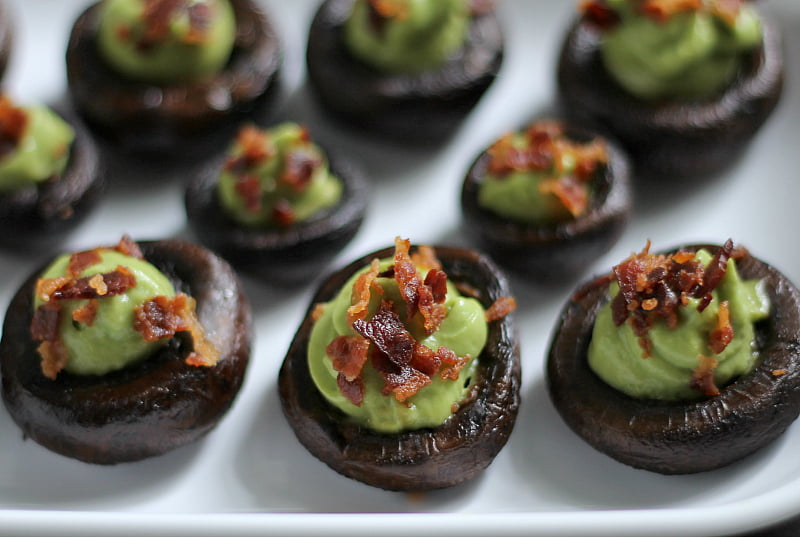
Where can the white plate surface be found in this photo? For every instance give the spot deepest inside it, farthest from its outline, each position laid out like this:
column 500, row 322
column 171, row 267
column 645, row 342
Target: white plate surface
column 251, row 477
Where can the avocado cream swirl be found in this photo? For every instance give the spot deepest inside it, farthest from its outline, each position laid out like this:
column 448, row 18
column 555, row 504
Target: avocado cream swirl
column 463, row 330
column 406, row 36
column 671, row 360
column 163, row 41
column 685, row 54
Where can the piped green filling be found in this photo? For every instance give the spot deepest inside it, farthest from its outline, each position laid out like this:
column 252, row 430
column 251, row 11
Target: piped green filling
column 690, row 55
column 406, row 36
column 616, row 356
column 192, row 41
column 41, row 153
column 463, row 330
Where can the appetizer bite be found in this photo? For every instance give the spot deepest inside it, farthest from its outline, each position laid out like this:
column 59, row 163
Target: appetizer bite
column 407, row 70
column 118, row 354
column 405, row 371
column 680, row 362
column 50, row 176
column 170, row 77
column 278, row 207
column 684, row 86
column 548, row 200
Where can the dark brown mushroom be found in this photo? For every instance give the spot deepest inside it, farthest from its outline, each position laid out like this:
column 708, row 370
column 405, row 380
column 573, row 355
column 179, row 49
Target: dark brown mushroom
column 145, row 409
column 412, row 108
column 178, row 121
column 671, row 140
column 681, row 437
column 419, row 459
column 290, row 255
column 561, row 250
column 38, row 217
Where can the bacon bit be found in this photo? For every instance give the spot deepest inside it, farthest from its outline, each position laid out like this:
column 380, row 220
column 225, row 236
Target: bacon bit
column 500, row 308
column 45, row 287
column 127, row 246
column 298, row 169
column 425, row 258
column 723, row 334
column 570, row 192
column 110, row 284
column 45, row 321
column 248, row 187
column 391, row 9
column 662, row 10
column 362, row 291
column 256, row 147
column 80, row 261
column 282, row 213
column 353, row 390
column 162, row 317
column 156, row 16
column 200, row 18
column 703, row 376
column 453, row 362
column 778, row 372
column 714, row 274
column 436, row 280
column 416, row 294
column 505, row 158
column 97, row 283
column 87, row 313
column 13, row 122
column 349, row 354
column 54, row 358
column 598, row 13
column 316, row 313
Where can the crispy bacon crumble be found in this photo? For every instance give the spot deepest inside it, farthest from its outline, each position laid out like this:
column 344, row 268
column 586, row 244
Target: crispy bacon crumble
column 546, row 147
column 157, row 318
column 13, row 121
column 599, row 13
column 384, row 340
column 655, row 287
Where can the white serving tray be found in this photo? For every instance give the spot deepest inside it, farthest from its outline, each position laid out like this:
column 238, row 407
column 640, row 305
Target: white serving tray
column 251, row 477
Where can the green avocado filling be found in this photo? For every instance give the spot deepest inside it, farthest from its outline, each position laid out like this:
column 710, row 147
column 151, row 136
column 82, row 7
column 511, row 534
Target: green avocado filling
column 539, row 176
column 106, row 339
column 165, row 41
column 685, row 356
column 685, row 54
column 34, row 145
column 276, row 177
column 383, row 406
column 406, row 36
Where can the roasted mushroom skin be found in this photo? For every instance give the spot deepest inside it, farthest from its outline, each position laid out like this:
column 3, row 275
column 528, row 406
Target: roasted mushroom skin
column 6, row 37
column 145, row 409
column 38, row 217
column 671, row 140
column 681, row 437
column 413, row 108
column 422, row 459
column 178, row 120
column 558, row 251
column 292, row 255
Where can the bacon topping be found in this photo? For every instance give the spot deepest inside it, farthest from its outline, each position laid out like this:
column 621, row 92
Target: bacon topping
column 599, row 13
column 109, row 284
column 87, row 313
column 54, row 357
column 298, row 169
column 158, row 15
column 405, row 365
column 255, row 146
column 80, row 261
column 546, row 148
column 655, row 286
column 362, row 290
column 127, row 246
column 500, row 308
column 703, row 376
column 13, row 122
column 45, row 321
column 162, row 317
